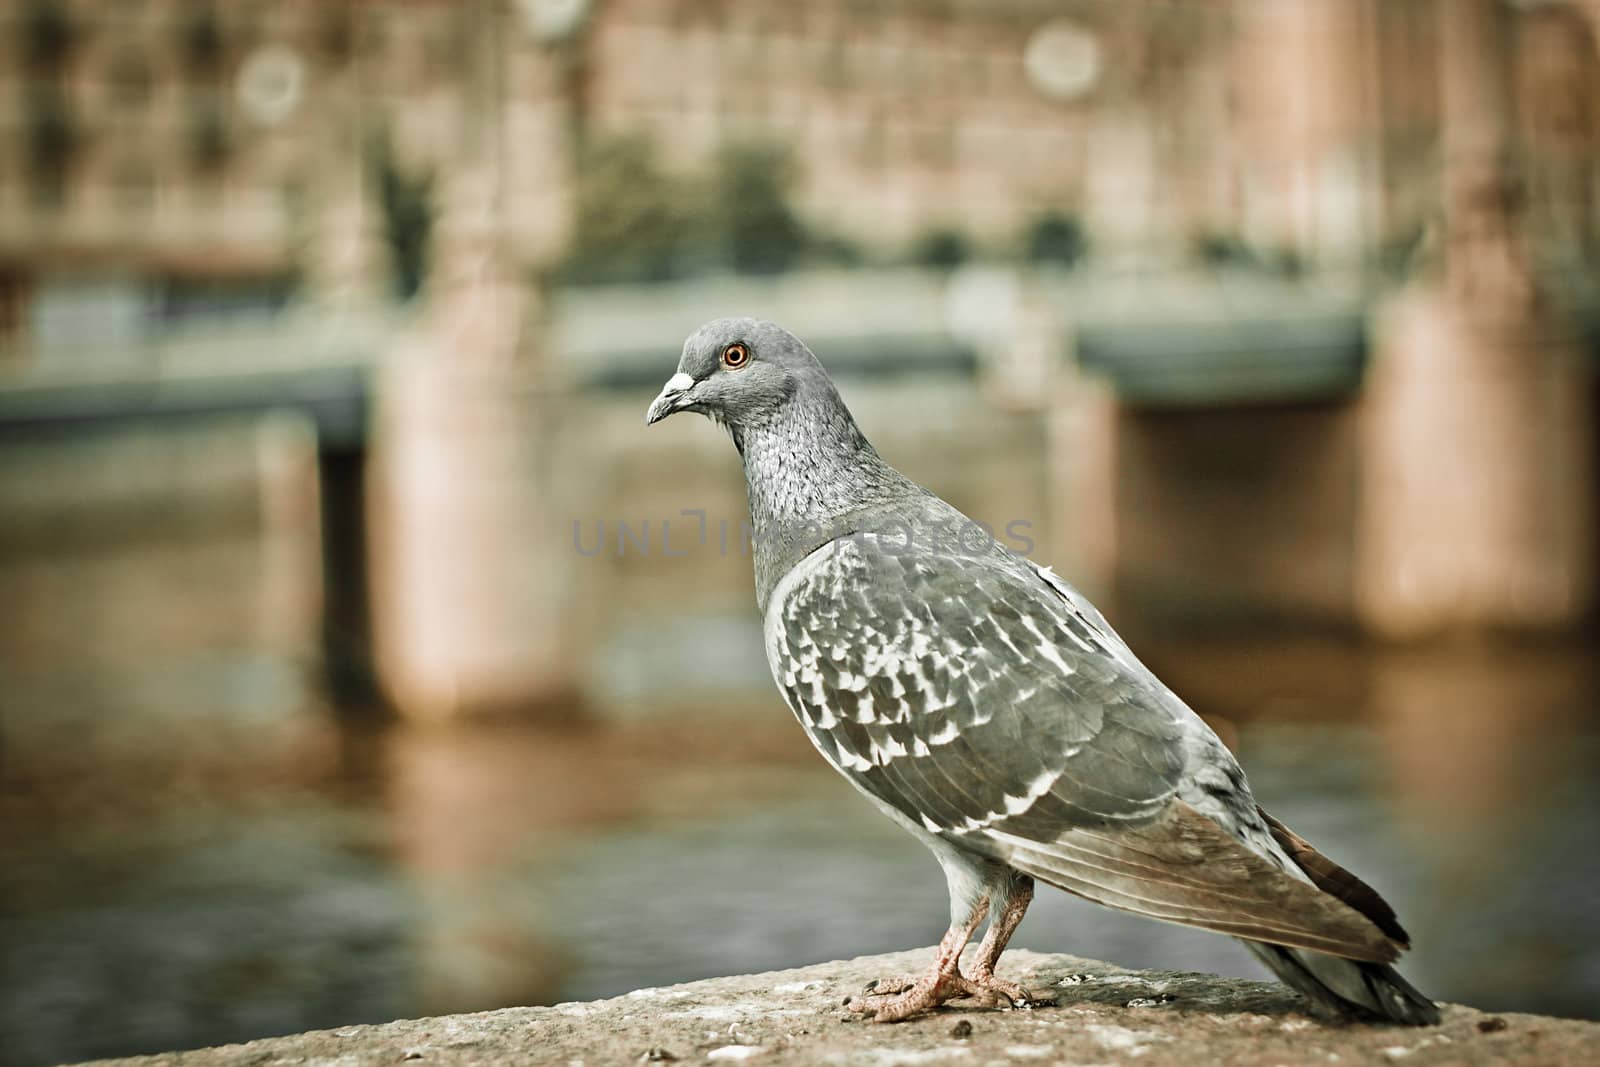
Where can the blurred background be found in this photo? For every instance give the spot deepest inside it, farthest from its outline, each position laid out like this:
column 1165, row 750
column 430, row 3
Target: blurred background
column 362, row 655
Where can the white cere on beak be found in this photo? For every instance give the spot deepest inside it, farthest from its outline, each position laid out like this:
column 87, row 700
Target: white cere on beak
column 666, row 403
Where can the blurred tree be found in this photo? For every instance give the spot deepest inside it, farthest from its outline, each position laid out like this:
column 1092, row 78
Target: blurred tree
column 636, row 223
column 47, row 36
column 202, row 42
column 632, row 220
column 53, row 139
column 749, row 206
column 942, row 248
column 209, row 142
column 336, row 35
column 407, row 203
column 1288, row 261
column 1218, row 249
column 1056, row 238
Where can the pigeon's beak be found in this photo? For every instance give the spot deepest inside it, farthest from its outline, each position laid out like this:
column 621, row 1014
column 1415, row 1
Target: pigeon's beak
column 674, row 397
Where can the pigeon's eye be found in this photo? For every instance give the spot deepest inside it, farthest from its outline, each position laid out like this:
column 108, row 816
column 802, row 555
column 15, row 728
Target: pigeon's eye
column 735, row 356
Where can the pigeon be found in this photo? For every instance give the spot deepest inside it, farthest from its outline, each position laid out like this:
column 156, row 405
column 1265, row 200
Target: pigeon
column 984, row 704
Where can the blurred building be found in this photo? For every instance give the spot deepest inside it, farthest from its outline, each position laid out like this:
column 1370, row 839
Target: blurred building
column 187, row 145
column 165, row 160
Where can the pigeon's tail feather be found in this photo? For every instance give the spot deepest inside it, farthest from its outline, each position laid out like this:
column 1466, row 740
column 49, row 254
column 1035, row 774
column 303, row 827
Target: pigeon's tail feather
column 1329, row 877
column 1333, row 983
column 1185, row 868
column 1348, row 987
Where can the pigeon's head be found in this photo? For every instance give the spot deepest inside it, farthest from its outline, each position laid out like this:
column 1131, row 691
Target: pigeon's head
column 740, row 372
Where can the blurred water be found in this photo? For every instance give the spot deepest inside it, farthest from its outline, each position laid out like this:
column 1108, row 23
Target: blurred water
column 346, row 874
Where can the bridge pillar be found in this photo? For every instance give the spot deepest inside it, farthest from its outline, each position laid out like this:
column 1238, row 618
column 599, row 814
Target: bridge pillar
column 470, row 576
column 471, row 571
column 1478, row 502
column 1082, row 432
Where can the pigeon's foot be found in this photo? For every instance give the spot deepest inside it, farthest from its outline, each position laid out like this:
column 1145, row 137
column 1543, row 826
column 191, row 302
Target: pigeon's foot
column 913, row 994
column 889, row 1000
column 993, row 991
column 883, row 987
column 895, row 999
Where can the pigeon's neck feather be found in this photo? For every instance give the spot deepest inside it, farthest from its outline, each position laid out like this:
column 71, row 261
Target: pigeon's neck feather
column 808, row 471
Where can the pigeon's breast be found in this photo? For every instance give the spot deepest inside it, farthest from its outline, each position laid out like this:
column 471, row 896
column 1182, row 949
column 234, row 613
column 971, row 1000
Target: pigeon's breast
column 805, row 602
column 808, row 678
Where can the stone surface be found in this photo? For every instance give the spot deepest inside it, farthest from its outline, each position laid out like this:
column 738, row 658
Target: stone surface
column 1103, row 1014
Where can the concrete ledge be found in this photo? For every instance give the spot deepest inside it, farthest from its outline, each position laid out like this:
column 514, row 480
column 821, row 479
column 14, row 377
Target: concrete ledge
column 1104, row 1014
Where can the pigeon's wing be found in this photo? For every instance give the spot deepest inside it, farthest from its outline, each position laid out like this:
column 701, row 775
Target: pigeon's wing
column 989, row 704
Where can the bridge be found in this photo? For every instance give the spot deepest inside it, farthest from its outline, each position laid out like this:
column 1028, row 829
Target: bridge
column 1143, row 390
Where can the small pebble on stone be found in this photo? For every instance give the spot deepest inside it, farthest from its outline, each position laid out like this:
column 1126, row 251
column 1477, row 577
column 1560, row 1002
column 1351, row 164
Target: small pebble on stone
column 1149, row 1002
column 962, row 1029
